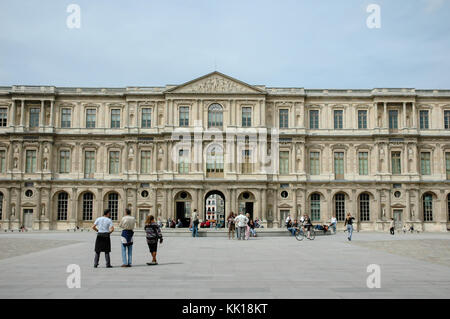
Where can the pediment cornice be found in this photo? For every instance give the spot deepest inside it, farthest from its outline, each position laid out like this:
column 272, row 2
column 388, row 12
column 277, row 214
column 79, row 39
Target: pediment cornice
column 216, row 83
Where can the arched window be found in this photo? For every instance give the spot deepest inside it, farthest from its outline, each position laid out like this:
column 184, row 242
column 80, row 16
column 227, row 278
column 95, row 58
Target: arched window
column 364, row 207
column 1, row 205
column 315, row 207
column 339, row 206
column 215, row 115
column 214, row 160
column 428, row 208
column 113, row 205
column 88, row 204
column 63, row 200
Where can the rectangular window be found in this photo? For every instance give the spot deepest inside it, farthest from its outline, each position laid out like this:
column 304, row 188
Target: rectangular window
column 30, row 165
column 339, row 165
column 314, row 119
column 247, row 165
column 91, row 115
column 338, row 120
column 447, row 119
column 393, row 119
column 425, row 167
column 284, row 118
column 2, row 161
column 423, row 115
column 89, row 164
column 447, row 164
column 246, row 116
column 66, row 115
column 64, row 161
column 114, row 162
column 34, row 117
column 314, row 163
column 146, row 118
column 145, row 162
column 184, row 116
column 183, row 164
column 362, row 119
column 3, row 117
column 115, row 118
column 363, row 158
column 284, row 163
column 396, row 163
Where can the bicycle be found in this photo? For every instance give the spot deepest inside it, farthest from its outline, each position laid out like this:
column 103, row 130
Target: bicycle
column 300, row 234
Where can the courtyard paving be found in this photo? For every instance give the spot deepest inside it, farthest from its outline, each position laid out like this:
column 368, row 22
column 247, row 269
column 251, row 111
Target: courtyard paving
column 33, row 265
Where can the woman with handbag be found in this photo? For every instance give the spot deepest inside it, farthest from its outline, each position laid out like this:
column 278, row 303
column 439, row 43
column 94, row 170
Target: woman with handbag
column 153, row 234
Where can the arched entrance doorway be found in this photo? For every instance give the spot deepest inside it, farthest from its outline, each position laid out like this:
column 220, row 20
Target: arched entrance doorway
column 183, row 207
column 215, row 208
column 246, row 203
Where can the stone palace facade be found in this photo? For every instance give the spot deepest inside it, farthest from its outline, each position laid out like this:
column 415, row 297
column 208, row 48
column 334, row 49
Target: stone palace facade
column 68, row 153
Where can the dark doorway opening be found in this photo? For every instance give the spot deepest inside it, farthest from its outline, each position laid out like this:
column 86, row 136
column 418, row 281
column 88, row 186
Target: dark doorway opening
column 249, row 209
column 181, row 214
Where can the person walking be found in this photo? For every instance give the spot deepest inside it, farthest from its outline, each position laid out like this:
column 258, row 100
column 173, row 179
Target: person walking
column 127, row 224
column 241, row 222
column 153, row 234
column 231, row 226
column 392, row 226
column 104, row 227
column 349, row 223
column 195, row 221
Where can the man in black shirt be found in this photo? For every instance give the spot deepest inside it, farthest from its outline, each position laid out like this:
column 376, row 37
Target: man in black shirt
column 349, row 223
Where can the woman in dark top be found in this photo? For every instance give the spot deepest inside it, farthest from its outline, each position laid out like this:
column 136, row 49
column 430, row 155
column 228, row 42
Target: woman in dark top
column 349, row 223
column 153, row 234
column 231, row 225
column 251, row 224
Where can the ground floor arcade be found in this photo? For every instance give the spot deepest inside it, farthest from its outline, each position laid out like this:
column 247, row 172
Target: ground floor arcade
column 61, row 206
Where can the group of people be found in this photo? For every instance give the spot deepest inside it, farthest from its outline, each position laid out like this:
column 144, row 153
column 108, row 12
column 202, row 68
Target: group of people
column 104, row 228
column 243, row 225
column 305, row 222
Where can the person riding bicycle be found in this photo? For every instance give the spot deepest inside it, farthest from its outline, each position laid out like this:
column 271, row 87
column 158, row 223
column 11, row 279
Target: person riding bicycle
column 307, row 224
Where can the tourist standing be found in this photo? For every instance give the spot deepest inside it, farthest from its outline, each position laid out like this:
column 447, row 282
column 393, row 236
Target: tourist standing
column 252, row 228
column 127, row 224
column 349, row 223
column 104, row 227
column 194, row 221
column 241, row 222
column 153, row 234
column 231, row 226
column 392, row 226
column 247, row 229
column 333, row 223
column 307, row 224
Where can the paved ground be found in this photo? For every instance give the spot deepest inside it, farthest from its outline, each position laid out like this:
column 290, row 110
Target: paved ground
column 33, row 265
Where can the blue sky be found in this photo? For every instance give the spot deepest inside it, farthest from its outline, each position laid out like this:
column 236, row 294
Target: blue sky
column 285, row 43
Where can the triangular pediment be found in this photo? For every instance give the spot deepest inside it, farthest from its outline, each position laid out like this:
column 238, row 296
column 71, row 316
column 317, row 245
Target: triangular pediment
column 216, row 83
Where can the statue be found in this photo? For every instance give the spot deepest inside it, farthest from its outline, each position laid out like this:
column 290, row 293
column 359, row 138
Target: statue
column 45, row 163
column 16, row 162
column 131, row 151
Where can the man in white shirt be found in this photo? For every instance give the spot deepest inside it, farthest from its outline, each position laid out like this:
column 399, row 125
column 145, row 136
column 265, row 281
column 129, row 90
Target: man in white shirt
column 241, row 222
column 104, row 227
